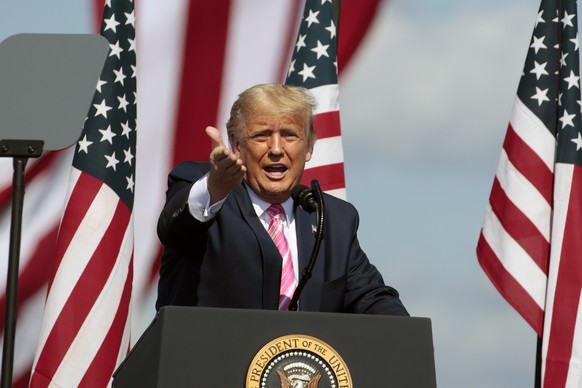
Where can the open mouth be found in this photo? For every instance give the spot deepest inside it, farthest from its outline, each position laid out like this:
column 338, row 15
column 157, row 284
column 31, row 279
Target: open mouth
column 275, row 171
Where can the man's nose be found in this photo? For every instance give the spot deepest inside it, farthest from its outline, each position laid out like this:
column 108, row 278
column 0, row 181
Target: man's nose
column 275, row 147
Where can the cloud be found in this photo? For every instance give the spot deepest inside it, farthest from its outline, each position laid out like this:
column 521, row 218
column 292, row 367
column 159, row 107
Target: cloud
column 437, row 86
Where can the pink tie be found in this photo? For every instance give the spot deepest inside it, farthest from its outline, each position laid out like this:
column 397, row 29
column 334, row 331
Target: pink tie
column 287, row 274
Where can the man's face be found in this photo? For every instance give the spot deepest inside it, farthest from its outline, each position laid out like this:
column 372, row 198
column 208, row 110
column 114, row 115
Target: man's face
column 274, row 150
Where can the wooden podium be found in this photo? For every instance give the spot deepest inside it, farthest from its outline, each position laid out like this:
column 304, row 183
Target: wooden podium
column 234, row 348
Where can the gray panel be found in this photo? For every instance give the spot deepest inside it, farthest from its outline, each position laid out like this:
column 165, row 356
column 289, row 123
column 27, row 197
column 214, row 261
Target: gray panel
column 47, row 82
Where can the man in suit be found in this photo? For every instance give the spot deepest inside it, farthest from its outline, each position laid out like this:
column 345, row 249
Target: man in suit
column 218, row 219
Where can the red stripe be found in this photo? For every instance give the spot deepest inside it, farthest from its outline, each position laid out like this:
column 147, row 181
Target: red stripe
column 98, row 373
column 520, row 228
column 199, row 96
column 84, row 294
column 81, row 198
column 327, row 124
column 529, row 164
column 567, row 295
column 508, row 287
column 330, row 177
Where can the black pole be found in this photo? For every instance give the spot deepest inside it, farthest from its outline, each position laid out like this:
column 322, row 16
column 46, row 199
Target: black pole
column 12, row 278
column 538, row 371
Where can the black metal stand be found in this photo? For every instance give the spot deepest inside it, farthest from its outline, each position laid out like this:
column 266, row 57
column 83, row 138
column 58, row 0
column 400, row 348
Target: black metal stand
column 306, row 274
column 21, row 151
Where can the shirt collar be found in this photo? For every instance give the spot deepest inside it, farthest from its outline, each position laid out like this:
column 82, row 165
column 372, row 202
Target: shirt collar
column 261, row 206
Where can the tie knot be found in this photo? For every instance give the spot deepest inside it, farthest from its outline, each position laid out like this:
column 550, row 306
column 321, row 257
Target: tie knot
column 275, row 210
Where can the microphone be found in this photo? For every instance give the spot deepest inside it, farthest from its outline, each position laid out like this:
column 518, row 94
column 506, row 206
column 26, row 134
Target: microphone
column 310, row 200
column 305, row 198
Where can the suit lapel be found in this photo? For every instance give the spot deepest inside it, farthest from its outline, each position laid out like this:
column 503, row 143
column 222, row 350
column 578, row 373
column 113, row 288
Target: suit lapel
column 305, row 223
column 271, row 259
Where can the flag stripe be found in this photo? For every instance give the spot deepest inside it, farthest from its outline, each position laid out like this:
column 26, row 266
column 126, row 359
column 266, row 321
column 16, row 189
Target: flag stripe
column 520, row 227
column 201, row 77
column 514, row 259
column 82, row 281
column 509, row 287
column 327, row 124
column 330, row 177
column 529, row 164
column 565, row 286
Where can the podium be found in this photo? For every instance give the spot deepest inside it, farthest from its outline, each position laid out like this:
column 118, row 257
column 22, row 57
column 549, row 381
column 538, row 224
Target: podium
column 235, row 348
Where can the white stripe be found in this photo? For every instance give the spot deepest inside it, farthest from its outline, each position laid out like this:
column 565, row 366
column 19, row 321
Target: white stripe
column 338, row 193
column 533, row 132
column 77, row 255
column 256, row 39
column 327, row 151
column 95, row 328
column 160, row 41
column 514, row 259
column 562, row 190
column 574, row 379
column 524, row 195
column 327, row 97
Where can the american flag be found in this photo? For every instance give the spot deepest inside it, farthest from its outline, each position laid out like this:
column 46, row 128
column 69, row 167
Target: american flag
column 314, row 66
column 530, row 245
column 86, row 323
column 194, row 57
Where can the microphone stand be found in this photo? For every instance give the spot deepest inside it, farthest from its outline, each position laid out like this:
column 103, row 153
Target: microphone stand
column 306, row 274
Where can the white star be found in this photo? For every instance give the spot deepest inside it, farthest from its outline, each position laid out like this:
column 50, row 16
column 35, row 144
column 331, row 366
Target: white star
column 566, row 119
column 130, row 182
column 130, row 18
column 111, row 161
column 107, row 135
column 572, row 80
column 538, row 43
column 300, row 42
column 312, row 18
column 575, row 41
column 126, row 129
column 102, row 109
column 111, row 24
column 123, row 103
column 119, row 76
column 578, row 142
column 567, row 19
column 128, row 156
column 539, row 69
column 115, row 50
column 540, row 19
column 325, row 1
column 307, row 72
column 134, row 71
column 541, row 96
column 108, row 3
column 563, row 59
column 131, row 44
column 99, row 84
column 332, row 30
column 84, row 144
column 291, row 68
column 321, row 50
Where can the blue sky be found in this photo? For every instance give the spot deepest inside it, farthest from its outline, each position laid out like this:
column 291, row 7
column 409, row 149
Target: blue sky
column 424, row 110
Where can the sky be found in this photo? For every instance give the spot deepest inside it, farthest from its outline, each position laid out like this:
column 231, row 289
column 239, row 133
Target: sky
column 424, row 108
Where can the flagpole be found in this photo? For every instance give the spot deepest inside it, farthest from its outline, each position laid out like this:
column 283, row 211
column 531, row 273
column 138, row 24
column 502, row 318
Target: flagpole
column 538, row 370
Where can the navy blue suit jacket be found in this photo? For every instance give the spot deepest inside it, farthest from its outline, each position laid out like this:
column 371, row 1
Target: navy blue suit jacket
column 231, row 261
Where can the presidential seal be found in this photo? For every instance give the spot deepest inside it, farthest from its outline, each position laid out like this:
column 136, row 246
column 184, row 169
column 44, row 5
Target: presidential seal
column 298, row 361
